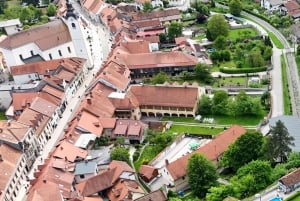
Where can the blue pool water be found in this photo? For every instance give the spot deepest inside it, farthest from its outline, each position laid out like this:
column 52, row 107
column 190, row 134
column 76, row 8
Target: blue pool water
column 275, row 199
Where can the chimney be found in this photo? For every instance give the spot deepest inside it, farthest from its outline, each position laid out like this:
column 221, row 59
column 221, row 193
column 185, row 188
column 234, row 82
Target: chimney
column 8, row 123
column 89, row 100
column 167, row 162
column 1, row 130
column 44, row 180
column 1, row 159
column 61, row 148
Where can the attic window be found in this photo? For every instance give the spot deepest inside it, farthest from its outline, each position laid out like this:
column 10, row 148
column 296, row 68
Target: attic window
column 73, row 25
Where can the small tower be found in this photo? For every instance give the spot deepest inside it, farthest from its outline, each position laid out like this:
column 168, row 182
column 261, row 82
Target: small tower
column 78, row 36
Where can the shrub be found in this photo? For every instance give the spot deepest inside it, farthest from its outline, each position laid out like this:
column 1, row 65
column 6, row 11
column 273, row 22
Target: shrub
column 242, row 70
column 136, row 155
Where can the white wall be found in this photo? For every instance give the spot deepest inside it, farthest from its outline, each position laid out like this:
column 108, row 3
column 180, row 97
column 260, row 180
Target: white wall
column 25, row 78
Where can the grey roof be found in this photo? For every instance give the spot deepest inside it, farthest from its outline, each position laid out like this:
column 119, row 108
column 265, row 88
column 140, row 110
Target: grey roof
column 101, row 156
column 292, row 123
column 86, row 167
column 8, row 23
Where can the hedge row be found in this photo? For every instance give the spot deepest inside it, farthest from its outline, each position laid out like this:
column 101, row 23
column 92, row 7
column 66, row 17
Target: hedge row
column 242, row 70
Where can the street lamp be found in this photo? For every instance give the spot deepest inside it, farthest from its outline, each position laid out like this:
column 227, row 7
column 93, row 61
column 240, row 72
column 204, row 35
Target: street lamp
column 258, row 196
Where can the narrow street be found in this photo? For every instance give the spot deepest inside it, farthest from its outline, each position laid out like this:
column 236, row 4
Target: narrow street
column 100, row 49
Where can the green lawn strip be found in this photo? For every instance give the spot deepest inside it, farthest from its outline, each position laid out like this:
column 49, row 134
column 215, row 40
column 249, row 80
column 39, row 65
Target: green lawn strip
column 285, row 88
column 298, row 63
column 149, row 152
column 13, row 3
column 241, row 33
column 275, row 40
column 195, row 129
column 295, row 197
column 2, row 116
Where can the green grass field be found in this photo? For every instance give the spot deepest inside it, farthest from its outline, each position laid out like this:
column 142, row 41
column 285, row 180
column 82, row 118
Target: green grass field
column 276, row 41
column 241, row 33
column 149, row 152
column 194, row 129
column 2, row 116
column 285, row 88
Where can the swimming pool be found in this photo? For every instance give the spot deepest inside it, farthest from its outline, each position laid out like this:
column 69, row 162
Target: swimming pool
column 276, row 199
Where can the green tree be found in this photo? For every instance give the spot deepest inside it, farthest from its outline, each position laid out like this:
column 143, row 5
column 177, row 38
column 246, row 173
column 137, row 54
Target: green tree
column 219, row 193
column 246, row 148
column 3, row 6
column 162, row 37
column 298, row 49
column 12, row 12
column 120, row 154
column 174, row 30
column 202, row 73
column 205, row 105
column 252, row 178
column 235, row 7
column 201, row 174
column 220, row 43
column 51, row 10
column 219, row 102
column 279, row 142
column 293, row 160
column 246, row 105
column 120, row 141
column 147, row 7
column 267, row 53
column 160, row 78
column 225, row 55
column 217, row 26
column 255, row 59
column 265, row 100
column 200, row 7
column 26, row 15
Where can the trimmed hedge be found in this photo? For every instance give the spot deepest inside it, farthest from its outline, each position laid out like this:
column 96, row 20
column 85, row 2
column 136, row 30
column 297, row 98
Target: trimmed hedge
column 242, row 70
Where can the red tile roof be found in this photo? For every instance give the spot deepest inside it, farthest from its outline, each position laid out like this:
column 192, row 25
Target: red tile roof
column 291, row 179
column 108, row 122
column 90, row 123
column 211, row 150
column 69, row 151
column 148, row 172
column 10, row 158
column 157, row 14
column 157, row 195
column 293, row 8
column 123, row 190
column 92, row 5
column 45, row 192
column 136, row 47
column 43, row 106
column 158, row 59
column 13, row 131
column 164, row 95
column 45, row 36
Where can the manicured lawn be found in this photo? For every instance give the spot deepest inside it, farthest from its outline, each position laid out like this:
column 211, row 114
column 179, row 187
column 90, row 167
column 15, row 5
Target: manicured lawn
column 285, row 88
column 195, row 129
column 222, row 120
column 241, row 33
column 2, row 116
column 228, row 64
column 149, row 152
column 199, row 37
column 230, row 81
column 275, row 40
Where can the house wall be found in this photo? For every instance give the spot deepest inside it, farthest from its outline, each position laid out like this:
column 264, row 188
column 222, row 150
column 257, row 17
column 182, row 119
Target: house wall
column 86, row 176
column 63, row 49
column 154, row 47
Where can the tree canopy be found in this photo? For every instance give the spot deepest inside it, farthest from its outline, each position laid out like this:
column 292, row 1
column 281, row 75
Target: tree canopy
column 147, row 7
column 201, row 173
column 235, row 7
column 160, row 78
column 217, row 26
column 279, row 143
column 51, row 10
column 174, row 30
column 202, row 73
column 246, row 148
column 120, row 154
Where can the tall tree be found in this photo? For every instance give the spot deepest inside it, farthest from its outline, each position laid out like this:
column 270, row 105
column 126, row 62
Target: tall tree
column 200, row 7
column 147, row 7
column 3, row 6
column 160, row 78
column 252, row 178
column 279, row 142
column 174, row 30
column 217, row 26
column 219, row 192
column 51, row 10
column 235, row 7
column 120, row 154
column 219, row 102
column 202, row 174
column 246, row 148
column 202, row 73
column 220, row 43
column 205, row 105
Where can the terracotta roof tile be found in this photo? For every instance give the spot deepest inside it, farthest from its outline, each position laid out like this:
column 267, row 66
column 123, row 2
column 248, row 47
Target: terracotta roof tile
column 13, row 131
column 69, row 151
column 120, row 167
column 90, row 123
column 92, row 5
column 53, row 91
column 45, row 36
column 211, row 150
column 45, row 192
column 156, row 14
column 108, row 122
column 165, row 95
column 66, row 75
column 43, row 106
column 147, row 23
column 147, row 171
column 157, row 195
column 291, row 179
column 158, row 59
column 123, row 189
column 10, row 157
column 136, row 47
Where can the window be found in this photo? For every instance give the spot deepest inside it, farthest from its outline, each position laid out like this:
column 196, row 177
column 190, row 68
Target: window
column 73, row 25
column 31, row 52
column 69, row 49
column 59, row 52
column 82, row 176
column 50, row 56
column 21, row 57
